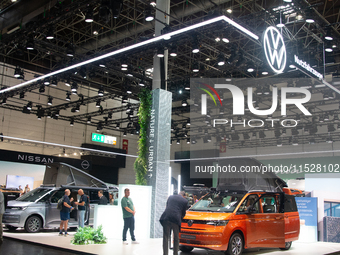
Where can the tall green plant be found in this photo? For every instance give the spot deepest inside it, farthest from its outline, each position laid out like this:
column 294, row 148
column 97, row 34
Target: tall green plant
column 144, row 111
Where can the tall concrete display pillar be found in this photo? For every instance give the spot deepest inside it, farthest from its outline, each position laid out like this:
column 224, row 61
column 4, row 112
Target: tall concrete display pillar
column 159, row 155
column 159, row 129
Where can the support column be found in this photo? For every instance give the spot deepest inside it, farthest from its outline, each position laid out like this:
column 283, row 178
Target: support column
column 159, row 129
column 159, row 155
column 160, row 65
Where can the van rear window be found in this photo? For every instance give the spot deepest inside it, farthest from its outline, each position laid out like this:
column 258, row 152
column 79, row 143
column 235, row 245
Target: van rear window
column 290, row 204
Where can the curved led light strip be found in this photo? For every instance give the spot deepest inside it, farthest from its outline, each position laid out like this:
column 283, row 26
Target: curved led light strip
column 134, row 46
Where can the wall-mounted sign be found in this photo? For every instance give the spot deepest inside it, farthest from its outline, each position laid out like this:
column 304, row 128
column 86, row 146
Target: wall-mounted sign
column 104, row 139
column 125, row 145
column 307, row 67
column 274, row 49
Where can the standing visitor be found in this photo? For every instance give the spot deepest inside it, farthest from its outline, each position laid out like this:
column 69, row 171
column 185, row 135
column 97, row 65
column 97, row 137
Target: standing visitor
column 81, row 207
column 65, row 212
column 171, row 218
column 128, row 216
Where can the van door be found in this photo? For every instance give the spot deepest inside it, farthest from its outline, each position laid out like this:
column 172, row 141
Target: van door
column 292, row 220
column 52, row 216
column 251, row 232
column 270, row 221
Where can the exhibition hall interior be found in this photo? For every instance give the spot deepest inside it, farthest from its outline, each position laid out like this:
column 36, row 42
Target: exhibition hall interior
column 234, row 102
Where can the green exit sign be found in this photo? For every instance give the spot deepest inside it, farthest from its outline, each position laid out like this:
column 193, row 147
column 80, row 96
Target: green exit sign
column 99, row 138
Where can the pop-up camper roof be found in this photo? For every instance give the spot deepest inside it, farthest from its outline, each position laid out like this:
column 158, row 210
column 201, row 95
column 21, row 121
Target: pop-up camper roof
column 255, row 179
column 64, row 174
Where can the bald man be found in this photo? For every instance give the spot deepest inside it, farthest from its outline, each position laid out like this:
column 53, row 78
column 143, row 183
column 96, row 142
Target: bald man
column 83, row 201
column 65, row 212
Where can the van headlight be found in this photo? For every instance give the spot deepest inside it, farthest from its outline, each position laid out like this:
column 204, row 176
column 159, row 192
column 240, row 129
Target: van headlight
column 218, row 222
column 19, row 208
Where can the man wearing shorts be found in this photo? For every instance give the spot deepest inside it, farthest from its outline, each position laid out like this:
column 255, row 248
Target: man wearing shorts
column 65, row 212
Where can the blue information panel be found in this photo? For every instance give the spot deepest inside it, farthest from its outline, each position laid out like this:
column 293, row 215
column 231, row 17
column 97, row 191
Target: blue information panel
column 308, row 210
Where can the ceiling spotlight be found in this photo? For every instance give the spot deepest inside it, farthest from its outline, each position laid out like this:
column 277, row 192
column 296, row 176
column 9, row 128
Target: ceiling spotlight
column 99, row 127
column 160, row 52
column 229, row 10
column 82, row 72
column 329, row 139
column 56, row 113
column 188, row 122
column 77, row 108
column 22, row 94
column 128, row 89
column 220, row 60
column 49, row 100
column 74, row 87
column 98, row 103
column 295, row 142
column 30, row 44
column 50, row 34
column 148, row 14
column 72, row 122
column 42, row 89
column 225, row 39
column 4, row 100
column 47, row 81
column 54, row 81
column 68, row 82
column 196, row 67
column 279, row 23
column 124, row 134
column 142, row 83
column 328, row 47
column 68, row 94
column 70, row 50
column 29, row 106
column 89, row 119
column 173, row 51
column 118, row 126
column 309, row 16
column 217, row 39
column 17, row 72
column 184, row 102
column 101, row 92
column 178, row 141
column 95, row 32
column 89, row 16
column 264, row 73
column 329, row 36
column 195, row 47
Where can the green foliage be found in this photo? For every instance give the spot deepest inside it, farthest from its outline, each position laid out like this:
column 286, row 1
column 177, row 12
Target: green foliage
column 88, row 235
column 144, row 111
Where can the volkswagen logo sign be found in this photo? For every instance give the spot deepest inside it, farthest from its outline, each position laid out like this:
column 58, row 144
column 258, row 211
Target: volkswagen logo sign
column 275, row 49
column 190, row 222
column 85, row 164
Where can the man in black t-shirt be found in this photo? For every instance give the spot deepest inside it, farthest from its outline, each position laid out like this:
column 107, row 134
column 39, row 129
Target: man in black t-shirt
column 83, row 201
column 102, row 198
column 65, row 212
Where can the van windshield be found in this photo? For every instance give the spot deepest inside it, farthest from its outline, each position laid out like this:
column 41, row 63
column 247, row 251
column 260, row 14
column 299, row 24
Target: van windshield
column 218, row 202
column 34, row 195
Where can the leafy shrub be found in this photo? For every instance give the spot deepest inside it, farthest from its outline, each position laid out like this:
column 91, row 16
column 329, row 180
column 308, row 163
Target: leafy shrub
column 88, row 235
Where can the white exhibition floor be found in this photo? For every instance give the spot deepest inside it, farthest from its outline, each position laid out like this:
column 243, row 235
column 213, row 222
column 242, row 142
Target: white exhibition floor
column 154, row 246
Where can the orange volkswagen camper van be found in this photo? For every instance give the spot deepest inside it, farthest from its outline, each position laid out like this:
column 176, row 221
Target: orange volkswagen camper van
column 231, row 218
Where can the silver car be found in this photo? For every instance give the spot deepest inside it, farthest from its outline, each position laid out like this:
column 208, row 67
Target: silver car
column 38, row 208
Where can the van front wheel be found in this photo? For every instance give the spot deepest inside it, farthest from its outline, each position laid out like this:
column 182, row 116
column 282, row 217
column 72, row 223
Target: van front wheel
column 235, row 246
column 33, row 224
column 287, row 246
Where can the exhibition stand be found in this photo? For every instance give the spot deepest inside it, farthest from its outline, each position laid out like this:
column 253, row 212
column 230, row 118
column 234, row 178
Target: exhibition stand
column 111, row 217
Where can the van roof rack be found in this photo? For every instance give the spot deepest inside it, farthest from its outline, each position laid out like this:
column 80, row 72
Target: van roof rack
column 47, row 185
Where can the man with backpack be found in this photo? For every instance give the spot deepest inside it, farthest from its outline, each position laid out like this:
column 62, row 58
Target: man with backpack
column 65, row 211
column 83, row 201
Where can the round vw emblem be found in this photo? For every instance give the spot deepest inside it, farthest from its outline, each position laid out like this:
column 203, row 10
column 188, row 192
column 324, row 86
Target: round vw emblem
column 274, row 49
column 85, row 164
column 190, row 222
